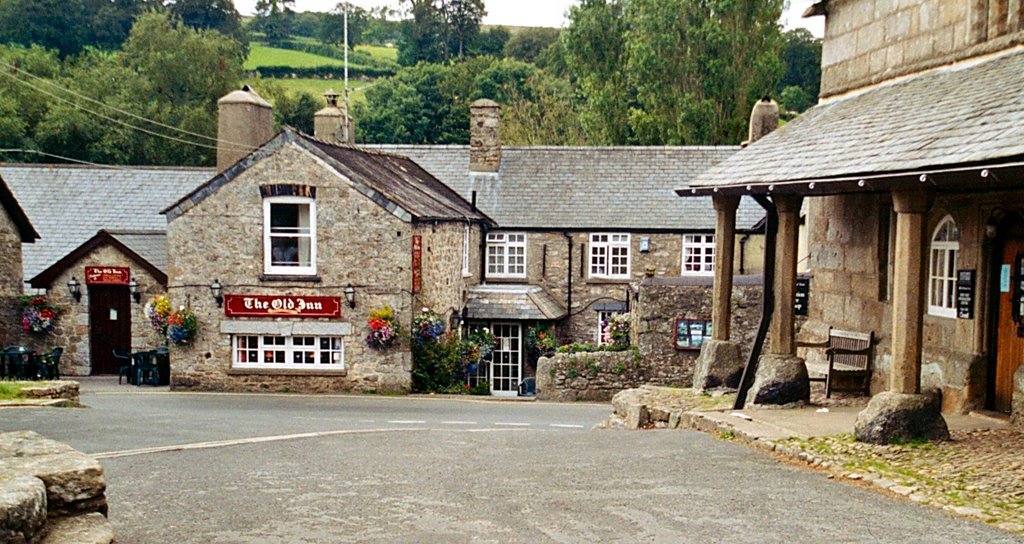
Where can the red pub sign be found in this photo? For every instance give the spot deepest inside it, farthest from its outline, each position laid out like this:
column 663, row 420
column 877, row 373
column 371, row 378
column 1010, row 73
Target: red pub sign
column 107, row 275
column 417, row 263
column 281, row 306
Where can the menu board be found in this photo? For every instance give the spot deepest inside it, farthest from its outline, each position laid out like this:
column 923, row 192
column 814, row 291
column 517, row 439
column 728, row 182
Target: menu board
column 965, row 294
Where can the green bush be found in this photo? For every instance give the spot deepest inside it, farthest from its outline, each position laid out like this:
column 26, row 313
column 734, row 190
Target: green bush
column 327, row 70
column 437, row 366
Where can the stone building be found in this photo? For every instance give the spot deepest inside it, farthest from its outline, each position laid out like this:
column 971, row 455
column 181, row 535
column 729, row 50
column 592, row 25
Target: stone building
column 579, row 228
column 15, row 230
column 98, row 218
column 303, row 239
column 910, row 168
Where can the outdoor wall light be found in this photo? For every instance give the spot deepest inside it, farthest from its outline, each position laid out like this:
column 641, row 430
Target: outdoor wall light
column 350, row 295
column 75, row 289
column 133, row 288
column 217, row 290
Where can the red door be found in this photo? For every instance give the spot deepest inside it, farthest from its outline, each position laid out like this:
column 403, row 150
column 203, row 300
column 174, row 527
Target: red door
column 1010, row 322
column 110, row 326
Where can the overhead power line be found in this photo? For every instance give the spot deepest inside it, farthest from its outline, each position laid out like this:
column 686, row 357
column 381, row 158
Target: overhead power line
column 63, row 158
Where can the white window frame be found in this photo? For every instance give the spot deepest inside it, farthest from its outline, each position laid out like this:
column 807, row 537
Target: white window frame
column 505, row 242
column 942, row 303
column 702, row 248
column 604, row 335
column 465, row 253
column 602, row 253
column 268, row 266
column 287, row 346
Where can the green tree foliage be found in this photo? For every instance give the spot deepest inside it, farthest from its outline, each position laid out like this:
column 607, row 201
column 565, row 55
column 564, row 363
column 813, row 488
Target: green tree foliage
column 794, row 98
column 439, row 30
column 274, row 19
column 69, row 25
column 295, row 109
column 529, row 43
column 332, row 26
column 802, row 58
column 462, row 18
column 488, row 42
column 383, row 26
column 219, row 15
column 661, row 72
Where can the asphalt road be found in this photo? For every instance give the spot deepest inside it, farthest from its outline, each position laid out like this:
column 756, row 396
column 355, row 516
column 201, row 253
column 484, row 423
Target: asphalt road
column 248, row 468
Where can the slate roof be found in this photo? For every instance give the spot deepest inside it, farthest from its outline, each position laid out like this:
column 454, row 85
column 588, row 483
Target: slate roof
column 148, row 250
column 516, row 302
column 584, row 188
column 69, row 204
column 151, row 245
column 971, row 113
column 392, row 181
column 26, row 232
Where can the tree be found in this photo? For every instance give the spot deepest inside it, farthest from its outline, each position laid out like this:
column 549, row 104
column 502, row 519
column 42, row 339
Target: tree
column 489, row 42
column 423, row 34
column 274, row 19
column 462, row 18
column 528, row 43
column 219, row 15
column 802, row 58
column 292, row 109
column 795, row 98
column 53, row 24
column 332, row 26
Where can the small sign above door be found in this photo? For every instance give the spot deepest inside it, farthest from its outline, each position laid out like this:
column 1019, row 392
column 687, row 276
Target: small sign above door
column 107, row 275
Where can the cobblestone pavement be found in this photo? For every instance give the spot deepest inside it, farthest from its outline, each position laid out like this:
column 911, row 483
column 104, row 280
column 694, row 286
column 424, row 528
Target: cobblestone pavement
column 978, row 474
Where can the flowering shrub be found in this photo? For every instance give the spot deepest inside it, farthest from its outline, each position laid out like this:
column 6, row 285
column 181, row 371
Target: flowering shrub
column 181, row 326
column 157, row 310
column 541, row 341
column 427, row 326
column 618, row 329
column 383, row 328
column 37, row 314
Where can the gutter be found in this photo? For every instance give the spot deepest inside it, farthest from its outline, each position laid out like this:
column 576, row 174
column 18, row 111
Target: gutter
column 771, row 229
column 568, row 296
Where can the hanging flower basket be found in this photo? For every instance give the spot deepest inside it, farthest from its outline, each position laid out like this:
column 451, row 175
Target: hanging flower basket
column 427, row 326
column 38, row 316
column 182, row 326
column 383, row 328
column 157, row 310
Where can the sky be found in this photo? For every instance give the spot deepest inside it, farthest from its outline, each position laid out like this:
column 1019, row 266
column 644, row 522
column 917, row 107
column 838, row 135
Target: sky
column 549, row 13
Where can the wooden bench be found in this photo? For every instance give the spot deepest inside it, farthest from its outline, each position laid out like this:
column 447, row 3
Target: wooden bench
column 849, row 355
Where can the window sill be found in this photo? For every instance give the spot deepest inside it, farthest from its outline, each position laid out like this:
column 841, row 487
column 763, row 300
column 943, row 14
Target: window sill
column 286, row 372
column 608, row 281
column 514, row 281
column 285, row 278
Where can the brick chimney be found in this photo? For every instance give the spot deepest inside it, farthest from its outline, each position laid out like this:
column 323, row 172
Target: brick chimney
column 484, row 136
column 245, row 121
column 764, row 118
column 333, row 123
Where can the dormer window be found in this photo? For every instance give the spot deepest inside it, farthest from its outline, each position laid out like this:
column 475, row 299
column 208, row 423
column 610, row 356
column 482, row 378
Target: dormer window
column 289, row 235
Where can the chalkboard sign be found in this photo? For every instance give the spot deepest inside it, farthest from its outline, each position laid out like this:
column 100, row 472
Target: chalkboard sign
column 803, row 290
column 965, row 294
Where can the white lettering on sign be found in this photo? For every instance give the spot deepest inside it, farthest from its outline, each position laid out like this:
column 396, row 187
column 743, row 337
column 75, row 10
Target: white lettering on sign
column 282, row 304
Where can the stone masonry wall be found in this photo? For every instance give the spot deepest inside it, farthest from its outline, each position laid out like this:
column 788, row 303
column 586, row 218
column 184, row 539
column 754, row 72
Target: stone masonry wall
column 867, row 41
column 358, row 242
column 11, row 285
column 594, row 376
column 663, row 300
column 851, row 287
column 444, row 284
column 72, row 329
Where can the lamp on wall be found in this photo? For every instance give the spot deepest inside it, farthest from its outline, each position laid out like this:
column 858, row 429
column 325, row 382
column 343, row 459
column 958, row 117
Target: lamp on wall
column 217, row 289
column 75, row 289
column 133, row 288
column 350, row 295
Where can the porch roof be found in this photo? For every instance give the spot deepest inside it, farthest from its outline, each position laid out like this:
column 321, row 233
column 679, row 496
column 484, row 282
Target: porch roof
column 959, row 127
column 512, row 302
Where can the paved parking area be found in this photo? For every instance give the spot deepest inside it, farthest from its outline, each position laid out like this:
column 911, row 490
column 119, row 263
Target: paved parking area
column 250, row 468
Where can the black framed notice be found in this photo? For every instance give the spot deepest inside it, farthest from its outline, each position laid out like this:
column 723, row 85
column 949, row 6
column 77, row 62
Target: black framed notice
column 965, row 294
column 800, row 297
column 691, row 333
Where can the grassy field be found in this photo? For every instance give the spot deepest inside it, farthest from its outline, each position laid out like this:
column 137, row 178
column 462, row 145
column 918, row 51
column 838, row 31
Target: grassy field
column 11, row 390
column 262, row 55
column 316, row 87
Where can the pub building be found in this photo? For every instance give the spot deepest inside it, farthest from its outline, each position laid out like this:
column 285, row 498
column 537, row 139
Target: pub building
column 101, row 285
column 286, row 251
column 15, row 230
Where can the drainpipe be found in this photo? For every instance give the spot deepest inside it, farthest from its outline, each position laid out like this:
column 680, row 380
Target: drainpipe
column 743, row 253
column 568, row 296
column 767, row 300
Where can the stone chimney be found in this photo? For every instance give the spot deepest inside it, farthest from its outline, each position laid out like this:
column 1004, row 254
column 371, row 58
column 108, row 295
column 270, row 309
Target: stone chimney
column 333, row 123
column 245, row 121
column 484, row 136
column 764, row 118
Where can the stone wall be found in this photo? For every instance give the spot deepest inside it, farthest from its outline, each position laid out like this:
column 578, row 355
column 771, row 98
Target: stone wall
column 444, row 284
column 11, row 285
column 358, row 243
column 548, row 265
column 867, row 41
column 72, row 329
column 598, row 376
column 664, row 300
column 851, row 262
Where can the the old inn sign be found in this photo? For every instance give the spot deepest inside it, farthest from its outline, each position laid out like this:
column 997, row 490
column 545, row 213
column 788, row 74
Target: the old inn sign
column 281, row 306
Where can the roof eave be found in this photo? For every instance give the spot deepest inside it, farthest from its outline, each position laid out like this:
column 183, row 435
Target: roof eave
column 45, row 279
column 26, row 231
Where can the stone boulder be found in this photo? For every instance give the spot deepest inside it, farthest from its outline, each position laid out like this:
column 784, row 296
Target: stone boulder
column 1017, row 408
column 61, row 389
column 720, row 365
column 22, row 509
column 74, row 481
column 780, row 381
column 899, row 417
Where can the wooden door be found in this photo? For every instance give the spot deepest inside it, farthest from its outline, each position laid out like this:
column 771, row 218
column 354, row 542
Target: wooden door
column 1010, row 322
column 110, row 325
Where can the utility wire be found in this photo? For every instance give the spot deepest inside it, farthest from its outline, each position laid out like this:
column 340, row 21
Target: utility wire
column 63, row 158
column 111, row 119
column 114, row 108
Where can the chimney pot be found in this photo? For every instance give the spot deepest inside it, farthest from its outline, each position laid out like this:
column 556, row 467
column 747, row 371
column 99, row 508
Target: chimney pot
column 484, row 136
column 333, row 123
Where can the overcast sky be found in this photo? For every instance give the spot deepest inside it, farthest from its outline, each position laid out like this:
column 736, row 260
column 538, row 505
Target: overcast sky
column 533, row 12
